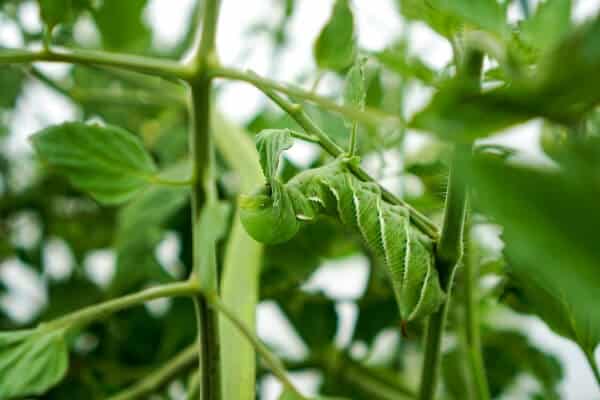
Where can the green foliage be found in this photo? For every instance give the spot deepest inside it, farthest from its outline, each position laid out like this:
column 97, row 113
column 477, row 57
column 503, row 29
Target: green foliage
column 447, row 17
column 555, row 91
column 140, row 227
column 54, row 12
column 107, row 162
column 542, row 66
column 355, row 91
column 396, row 58
column 550, row 23
column 11, row 81
column 313, row 317
column 31, row 361
column 566, row 216
column 335, row 47
column 132, row 34
column 508, row 355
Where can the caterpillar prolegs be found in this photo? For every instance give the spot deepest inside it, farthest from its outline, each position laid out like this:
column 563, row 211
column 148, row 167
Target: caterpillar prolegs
column 276, row 213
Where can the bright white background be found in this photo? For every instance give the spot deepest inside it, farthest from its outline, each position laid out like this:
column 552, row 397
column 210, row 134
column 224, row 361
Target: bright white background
column 378, row 23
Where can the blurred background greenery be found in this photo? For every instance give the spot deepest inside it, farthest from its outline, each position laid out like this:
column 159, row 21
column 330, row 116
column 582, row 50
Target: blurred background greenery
column 60, row 250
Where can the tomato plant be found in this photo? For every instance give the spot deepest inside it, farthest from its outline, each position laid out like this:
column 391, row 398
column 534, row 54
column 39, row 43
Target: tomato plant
column 150, row 156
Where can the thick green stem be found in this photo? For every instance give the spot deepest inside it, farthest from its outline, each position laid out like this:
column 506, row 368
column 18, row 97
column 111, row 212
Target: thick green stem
column 204, row 194
column 472, row 325
column 164, row 68
column 298, row 114
column 205, row 267
column 208, row 350
column 98, row 311
column 448, row 253
column 160, row 377
column 431, row 364
column 274, row 363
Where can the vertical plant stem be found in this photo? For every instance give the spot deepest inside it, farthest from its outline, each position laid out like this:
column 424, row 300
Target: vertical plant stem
column 352, row 150
column 205, row 267
column 472, row 325
column 203, row 194
column 450, row 246
column 448, row 253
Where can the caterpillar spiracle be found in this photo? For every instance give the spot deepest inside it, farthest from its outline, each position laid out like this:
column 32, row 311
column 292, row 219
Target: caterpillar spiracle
column 277, row 211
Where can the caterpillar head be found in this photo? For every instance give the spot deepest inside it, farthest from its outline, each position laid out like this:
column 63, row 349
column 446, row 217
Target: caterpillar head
column 269, row 218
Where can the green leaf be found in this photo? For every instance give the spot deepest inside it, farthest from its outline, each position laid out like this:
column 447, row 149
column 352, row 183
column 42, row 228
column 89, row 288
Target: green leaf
column 108, row 162
column 507, row 355
column 335, row 47
column 11, row 82
column 397, row 59
column 549, row 25
column 554, row 91
column 426, row 12
column 375, row 315
column 550, row 222
column 271, row 143
column 355, row 91
column 140, row 225
column 313, row 316
column 122, row 25
column 54, row 12
column 461, row 116
column 447, row 16
column 31, row 361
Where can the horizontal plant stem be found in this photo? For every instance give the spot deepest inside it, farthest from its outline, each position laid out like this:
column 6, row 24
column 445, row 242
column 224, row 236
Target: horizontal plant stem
column 369, row 116
column 152, row 66
column 98, row 311
column 160, row 377
column 274, row 364
column 298, row 114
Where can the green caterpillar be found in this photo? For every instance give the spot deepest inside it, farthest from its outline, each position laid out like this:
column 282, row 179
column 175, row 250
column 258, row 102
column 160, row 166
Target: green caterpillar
column 278, row 210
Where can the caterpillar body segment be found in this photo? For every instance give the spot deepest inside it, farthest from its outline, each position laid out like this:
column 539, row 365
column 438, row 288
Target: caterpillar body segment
column 332, row 190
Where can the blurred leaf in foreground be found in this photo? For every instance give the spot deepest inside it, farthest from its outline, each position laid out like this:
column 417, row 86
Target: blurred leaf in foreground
column 32, row 361
column 550, row 220
column 555, row 91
